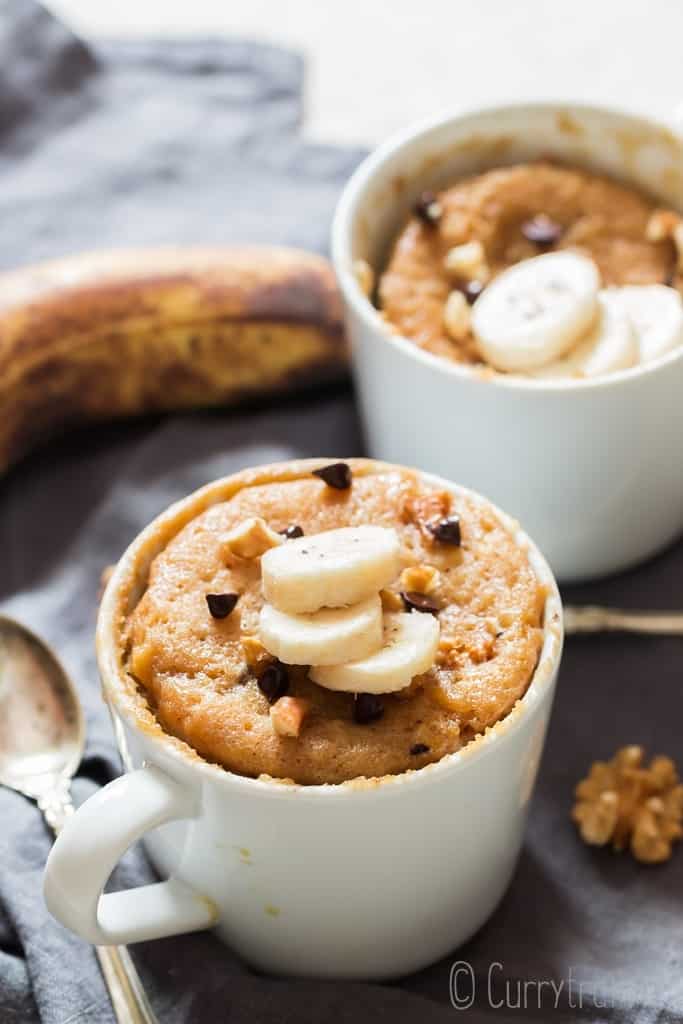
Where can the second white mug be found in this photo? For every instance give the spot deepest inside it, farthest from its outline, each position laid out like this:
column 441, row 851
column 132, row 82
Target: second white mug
column 591, row 467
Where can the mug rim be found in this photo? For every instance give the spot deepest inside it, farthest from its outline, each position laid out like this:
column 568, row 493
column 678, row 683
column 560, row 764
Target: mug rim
column 180, row 752
column 372, row 168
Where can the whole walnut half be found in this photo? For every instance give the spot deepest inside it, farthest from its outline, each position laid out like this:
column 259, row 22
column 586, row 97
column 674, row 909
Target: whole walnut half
column 628, row 804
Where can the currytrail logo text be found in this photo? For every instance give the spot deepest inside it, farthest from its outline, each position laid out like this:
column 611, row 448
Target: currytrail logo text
column 496, row 990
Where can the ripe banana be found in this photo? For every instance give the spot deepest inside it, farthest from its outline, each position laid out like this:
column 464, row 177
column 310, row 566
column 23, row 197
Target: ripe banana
column 326, row 637
column 330, row 569
column 533, row 312
column 112, row 334
column 656, row 312
column 408, row 648
column 610, row 345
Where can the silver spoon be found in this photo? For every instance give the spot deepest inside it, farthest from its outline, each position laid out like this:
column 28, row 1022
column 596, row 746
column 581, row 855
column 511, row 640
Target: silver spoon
column 42, row 736
column 595, row 619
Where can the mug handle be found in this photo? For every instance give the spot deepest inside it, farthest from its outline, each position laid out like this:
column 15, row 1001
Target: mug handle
column 92, row 842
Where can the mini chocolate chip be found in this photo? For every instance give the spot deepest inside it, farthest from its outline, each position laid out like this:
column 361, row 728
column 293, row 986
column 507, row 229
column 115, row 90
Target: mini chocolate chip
column 541, row 230
column 428, row 208
column 415, row 601
column 448, row 530
column 274, row 681
column 472, row 290
column 292, row 532
column 337, row 475
column 220, row 605
column 419, row 748
column 500, row 633
column 367, row 707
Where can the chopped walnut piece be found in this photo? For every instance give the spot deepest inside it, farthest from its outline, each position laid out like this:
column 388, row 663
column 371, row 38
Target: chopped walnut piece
column 457, row 316
column 629, row 804
column 255, row 654
column 287, row 715
column 364, row 275
column 391, row 601
column 467, row 261
column 421, row 578
column 661, row 225
column 252, row 538
column 425, row 509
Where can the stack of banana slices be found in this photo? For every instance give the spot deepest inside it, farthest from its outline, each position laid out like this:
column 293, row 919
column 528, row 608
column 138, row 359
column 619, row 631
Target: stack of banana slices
column 549, row 317
column 323, row 609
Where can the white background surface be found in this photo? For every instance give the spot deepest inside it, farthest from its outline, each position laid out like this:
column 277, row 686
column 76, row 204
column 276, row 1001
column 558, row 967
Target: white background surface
column 377, row 65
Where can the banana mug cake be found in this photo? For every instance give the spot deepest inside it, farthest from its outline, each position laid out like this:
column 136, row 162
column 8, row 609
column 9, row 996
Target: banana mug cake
column 329, row 621
column 538, row 269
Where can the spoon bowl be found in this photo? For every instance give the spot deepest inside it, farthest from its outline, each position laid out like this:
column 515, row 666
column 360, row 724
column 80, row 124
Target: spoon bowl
column 42, row 738
column 42, row 731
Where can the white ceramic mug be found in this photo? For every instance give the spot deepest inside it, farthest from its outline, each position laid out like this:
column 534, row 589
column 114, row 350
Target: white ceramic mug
column 591, row 468
column 358, row 880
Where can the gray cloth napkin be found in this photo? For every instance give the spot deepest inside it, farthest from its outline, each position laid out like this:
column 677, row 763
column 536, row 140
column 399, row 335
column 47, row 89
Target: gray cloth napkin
column 198, row 142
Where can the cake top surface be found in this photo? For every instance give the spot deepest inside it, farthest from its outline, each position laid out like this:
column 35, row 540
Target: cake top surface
column 195, row 640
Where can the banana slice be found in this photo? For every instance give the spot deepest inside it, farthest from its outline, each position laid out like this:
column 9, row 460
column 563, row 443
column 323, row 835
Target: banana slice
column 330, row 569
column 326, row 637
column 656, row 312
column 408, row 649
column 534, row 311
column 610, row 345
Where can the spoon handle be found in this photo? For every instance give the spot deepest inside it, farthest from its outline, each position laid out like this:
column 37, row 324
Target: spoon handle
column 594, row 619
column 128, row 998
column 127, row 995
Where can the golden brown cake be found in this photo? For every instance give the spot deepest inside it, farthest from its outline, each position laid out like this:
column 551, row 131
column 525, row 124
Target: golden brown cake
column 193, row 646
column 512, row 214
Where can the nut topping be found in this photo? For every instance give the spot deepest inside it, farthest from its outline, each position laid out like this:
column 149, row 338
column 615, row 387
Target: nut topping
column 288, row 714
column 467, row 261
column 255, row 654
column 423, row 578
column 456, row 316
column 661, row 225
column 252, row 538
